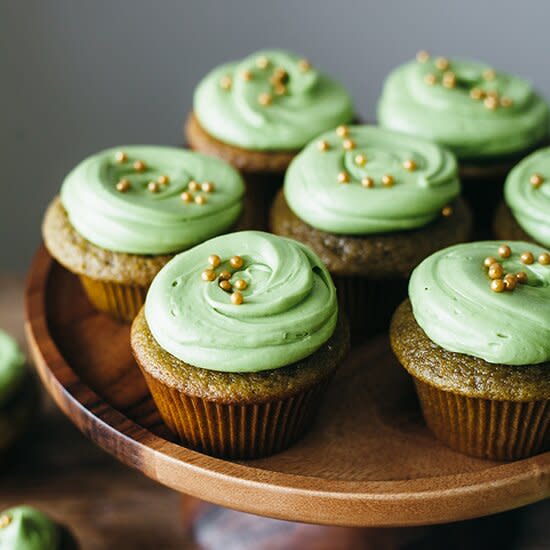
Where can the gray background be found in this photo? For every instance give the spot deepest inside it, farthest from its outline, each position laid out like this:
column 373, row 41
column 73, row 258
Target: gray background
column 76, row 77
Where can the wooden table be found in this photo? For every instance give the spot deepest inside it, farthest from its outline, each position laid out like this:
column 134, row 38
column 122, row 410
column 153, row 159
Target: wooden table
column 110, row 506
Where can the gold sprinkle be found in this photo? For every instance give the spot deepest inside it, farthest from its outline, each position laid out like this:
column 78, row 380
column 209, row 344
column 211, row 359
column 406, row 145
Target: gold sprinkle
column 496, row 271
column 449, row 79
column 422, row 56
column 506, row 102
column 225, row 285
column 163, row 180
column 504, row 251
column 544, row 258
column 367, row 182
column 497, row 285
column 237, row 298
column 536, row 180
column 240, row 284
column 489, row 261
column 200, row 199
column 226, row 82
column 521, row 277
column 236, row 262
column 214, row 260
column 477, row 93
column 121, row 157
column 5, row 520
column 447, row 211
column 360, row 159
column 153, row 186
column 491, row 103
column 139, row 166
column 323, row 145
column 280, row 76
column 194, row 186
column 430, row 79
column 348, row 144
column 247, row 75
column 442, row 63
column 343, row 177
column 224, row 276
column 123, row 185
column 280, row 89
column 208, row 186
column 409, row 165
column 265, row 99
column 342, row 131
column 527, row 258
column 387, row 180
column 304, row 65
column 510, row 281
column 208, row 275
column 186, row 196
column 489, row 74
column 262, row 62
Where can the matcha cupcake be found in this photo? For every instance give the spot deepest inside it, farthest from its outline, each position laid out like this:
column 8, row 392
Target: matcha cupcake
column 238, row 338
column 123, row 213
column 525, row 214
column 26, row 528
column 372, row 204
column 17, row 394
column 257, row 113
column 487, row 118
column 475, row 338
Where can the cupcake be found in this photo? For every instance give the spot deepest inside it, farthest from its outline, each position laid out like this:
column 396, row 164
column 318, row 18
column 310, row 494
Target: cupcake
column 258, row 113
column 372, row 204
column 238, row 338
column 26, row 528
column 123, row 213
column 487, row 118
column 525, row 214
column 17, row 394
column 475, row 339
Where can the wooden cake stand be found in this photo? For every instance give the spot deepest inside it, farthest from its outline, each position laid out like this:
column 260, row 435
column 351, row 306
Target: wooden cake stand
column 368, row 461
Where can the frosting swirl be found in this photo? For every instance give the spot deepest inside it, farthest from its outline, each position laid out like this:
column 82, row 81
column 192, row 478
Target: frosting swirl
column 464, row 105
column 25, row 528
column 453, row 303
column 527, row 193
column 271, row 100
column 288, row 308
column 12, row 369
column 131, row 199
column 339, row 183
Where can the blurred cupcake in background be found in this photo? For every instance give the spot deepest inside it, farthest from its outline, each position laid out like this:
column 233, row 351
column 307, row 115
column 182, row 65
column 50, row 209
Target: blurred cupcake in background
column 525, row 214
column 257, row 113
column 124, row 212
column 489, row 119
column 372, row 204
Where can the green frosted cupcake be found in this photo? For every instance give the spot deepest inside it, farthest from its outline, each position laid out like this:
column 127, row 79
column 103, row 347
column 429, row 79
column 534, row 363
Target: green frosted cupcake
column 124, row 212
column 237, row 341
column 372, row 204
column 475, row 338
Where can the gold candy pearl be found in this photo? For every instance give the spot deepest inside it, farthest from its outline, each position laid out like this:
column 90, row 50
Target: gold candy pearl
column 343, row 177
column 477, row 93
column 447, row 211
column 226, row 82
column 348, row 144
column 247, row 75
column 224, row 276
column 504, row 251
column 521, row 277
column 200, row 200
column 236, row 262
column 493, row 94
column 5, row 520
column 186, row 196
column 360, row 159
column 489, row 74
column 123, row 185
column 544, row 258
column 442, row 63
column 409, row 165
column 225, row 285
column 490, row 103
column 153, row 187
column 280, row 76
column 506, row 102
column 387, row 180
column 304, row 65
column 208, row 187
column 422, row 56
column 489, row 261
column 496, row 271
column 140, row 166
column 280, row 89
column 194, row 186
column 527, row 258
column 265, row 99
column 367, row 182
column 163, row 180
column 449, row 80
column 510, row 281
column 497, row 285
column 208, row 275
column 262, row 62
column 214, row 260
column 536, row 180
column 240, row 284
column 121, row 157
column 323, row 145
column 342, row 131
column 430, row 79
column 237, row 298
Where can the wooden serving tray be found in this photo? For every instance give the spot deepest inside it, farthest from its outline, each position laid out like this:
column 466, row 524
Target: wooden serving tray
column 368, row 460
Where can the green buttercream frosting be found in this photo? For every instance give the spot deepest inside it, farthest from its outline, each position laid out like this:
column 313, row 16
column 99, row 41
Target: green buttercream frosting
column 451, row 117
column 228, row 104
column 12, row 367
column 289, row 307
column 315, row 195
column 142, row 221
column 531, row 204
column 453, row 303
column 27, row 529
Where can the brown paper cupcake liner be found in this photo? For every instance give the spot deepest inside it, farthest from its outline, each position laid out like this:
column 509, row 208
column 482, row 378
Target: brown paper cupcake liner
column 486, row 428
column 235, row 430
column 368, row 303
column 120, row 301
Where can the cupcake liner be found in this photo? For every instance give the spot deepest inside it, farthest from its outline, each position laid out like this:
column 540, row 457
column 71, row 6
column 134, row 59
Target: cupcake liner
column 120, row 301
column 486, row 428
column 231, row 430
column 368, row 303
